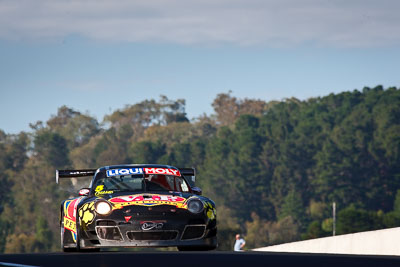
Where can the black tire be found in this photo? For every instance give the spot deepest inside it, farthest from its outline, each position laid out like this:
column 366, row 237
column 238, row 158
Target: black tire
column 78, row 239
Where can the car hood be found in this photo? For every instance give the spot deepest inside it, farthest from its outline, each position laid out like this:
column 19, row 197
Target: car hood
column 122, row 199
column 147, row 199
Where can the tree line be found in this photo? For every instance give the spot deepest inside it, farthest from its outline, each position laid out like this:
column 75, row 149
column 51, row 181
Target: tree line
column 273, row 168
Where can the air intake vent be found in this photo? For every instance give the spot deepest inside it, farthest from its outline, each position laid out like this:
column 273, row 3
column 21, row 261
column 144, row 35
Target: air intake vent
column 108, row 233
column 193, row 232
column 154, row 235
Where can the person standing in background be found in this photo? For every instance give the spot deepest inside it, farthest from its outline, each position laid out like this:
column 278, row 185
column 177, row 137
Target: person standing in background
column 239, row 243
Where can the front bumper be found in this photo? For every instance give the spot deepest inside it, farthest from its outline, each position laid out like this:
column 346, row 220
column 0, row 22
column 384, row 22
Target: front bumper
column 164, row 231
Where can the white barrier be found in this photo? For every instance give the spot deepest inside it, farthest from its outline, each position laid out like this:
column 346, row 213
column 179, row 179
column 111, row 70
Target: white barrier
column 380, row 242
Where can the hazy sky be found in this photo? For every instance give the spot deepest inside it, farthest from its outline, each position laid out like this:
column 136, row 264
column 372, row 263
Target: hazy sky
column 99, row 56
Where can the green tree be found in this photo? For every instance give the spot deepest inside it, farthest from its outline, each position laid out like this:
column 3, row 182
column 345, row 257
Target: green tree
column 314, row 230
column 75, row 127
column 353, row 220
column 293, row 206
column 52, row 147
column 43, row 235
column 146, row 152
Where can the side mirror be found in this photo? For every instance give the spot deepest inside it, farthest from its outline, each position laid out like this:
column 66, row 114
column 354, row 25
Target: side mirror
column 84, row 192
column 197, row 190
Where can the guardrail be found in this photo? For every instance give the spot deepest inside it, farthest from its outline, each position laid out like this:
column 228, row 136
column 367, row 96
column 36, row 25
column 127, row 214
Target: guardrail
column 379, row 242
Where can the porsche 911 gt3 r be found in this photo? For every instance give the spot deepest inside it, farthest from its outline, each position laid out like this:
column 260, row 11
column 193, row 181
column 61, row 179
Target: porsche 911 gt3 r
column 137, row 206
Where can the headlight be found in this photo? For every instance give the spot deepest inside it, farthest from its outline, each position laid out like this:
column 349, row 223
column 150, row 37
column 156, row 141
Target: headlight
column 103, row 207
column 195, row 206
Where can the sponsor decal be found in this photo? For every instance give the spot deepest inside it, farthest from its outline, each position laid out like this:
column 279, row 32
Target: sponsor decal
column 116, row 172
column 127, row 171
column 162, row 171
column 69, row 224
column 84, row 191
column 99, row 191
column 148, row 200
column 151, row 225
column 103, row 193
column 127, row 218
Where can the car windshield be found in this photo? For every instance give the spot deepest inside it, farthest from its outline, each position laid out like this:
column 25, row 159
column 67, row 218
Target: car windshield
column 141, row 183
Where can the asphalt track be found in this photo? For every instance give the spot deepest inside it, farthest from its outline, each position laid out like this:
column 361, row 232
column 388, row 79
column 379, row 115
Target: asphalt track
column 192, row 259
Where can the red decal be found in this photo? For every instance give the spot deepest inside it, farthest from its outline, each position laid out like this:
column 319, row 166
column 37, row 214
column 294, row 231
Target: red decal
column 162, row 171
column 175, row 172
column 117, row 199
column 172, row 199
column 124, row 199
column 127, row 218
column 71, row 209
column 138, row 198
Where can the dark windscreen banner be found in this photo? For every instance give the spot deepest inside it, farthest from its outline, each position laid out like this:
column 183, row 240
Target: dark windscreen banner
column 187, row 171
column 74, row 173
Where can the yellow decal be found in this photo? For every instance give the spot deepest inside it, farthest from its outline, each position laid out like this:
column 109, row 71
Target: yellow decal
column 211, row 212
column 69, row 224
column 103, row 193
column 100, row 191
column 86, row 213
column 150, row 203
column 70, row 207
column 148, row 200
column 99, row 188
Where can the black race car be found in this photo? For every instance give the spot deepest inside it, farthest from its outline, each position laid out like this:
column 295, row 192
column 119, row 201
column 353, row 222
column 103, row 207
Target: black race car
column 137, row 206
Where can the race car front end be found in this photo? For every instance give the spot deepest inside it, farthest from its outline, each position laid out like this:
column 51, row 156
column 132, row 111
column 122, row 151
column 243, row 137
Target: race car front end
column 137, row 205
column 148, row 220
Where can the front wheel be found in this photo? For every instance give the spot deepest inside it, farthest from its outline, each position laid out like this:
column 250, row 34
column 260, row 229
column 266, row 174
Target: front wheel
column 62, row 232
column 78, row 240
